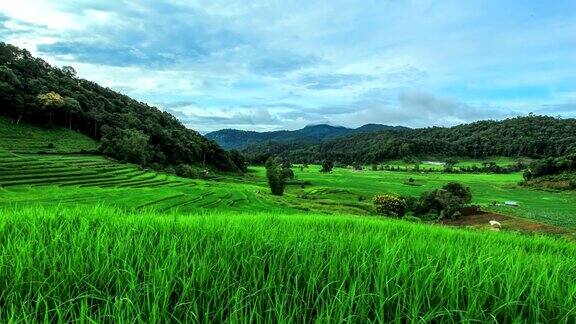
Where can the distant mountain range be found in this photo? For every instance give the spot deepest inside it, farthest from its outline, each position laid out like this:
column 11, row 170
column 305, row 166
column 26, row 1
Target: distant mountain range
column 239, row 139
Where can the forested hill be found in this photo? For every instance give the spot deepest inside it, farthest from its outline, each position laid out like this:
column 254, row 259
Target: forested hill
column 33, row 91
column 238, row 139
column 532, row 136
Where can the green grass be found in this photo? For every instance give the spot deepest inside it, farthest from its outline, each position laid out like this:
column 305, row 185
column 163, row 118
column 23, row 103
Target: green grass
column 25, row 138
column 101, row 264
column 346, row 186
column 86, row 238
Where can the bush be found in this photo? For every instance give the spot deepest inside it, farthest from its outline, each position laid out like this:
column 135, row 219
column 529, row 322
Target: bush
column 459, row 190
column 411, row 203
column 390, row 205
column 186, row 171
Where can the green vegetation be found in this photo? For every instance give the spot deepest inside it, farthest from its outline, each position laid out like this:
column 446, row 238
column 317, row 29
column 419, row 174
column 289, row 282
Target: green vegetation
column 94, row 238
column 268, row 267
column 33, row 91
column 552, row 173
column 24, row 138
column 389, row 205
column 532, row 136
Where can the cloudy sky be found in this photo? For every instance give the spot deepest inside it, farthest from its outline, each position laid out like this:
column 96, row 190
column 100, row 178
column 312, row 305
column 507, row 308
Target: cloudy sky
column 267, row 65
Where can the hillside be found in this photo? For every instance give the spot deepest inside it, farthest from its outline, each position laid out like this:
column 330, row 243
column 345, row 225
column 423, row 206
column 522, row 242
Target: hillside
column 239, row 139
column 25, row 138
column 32, row 91
column 532, row 136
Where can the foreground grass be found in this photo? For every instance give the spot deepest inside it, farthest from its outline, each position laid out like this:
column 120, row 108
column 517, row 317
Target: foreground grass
column 101, row 264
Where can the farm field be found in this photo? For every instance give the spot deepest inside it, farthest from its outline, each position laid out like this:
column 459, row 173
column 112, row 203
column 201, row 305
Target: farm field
column 89, row 179
column 66, row 176
column 271, row 267
column 287, row 162
column 152, row 247
column 555, row 208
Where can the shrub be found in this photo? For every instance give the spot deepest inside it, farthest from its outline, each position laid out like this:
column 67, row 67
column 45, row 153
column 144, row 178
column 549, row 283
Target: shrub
column 411, row 203
column 186, row 171
column 459, row 190
column 390, row 205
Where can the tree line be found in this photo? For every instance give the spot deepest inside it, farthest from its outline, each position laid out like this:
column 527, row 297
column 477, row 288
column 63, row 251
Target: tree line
column 531, row 136
column 33, row 91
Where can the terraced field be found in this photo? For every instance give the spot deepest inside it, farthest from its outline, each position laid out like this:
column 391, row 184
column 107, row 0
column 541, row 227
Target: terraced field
column 52, row 167
column 91, row 179
column 76, row 170
column 29, row 175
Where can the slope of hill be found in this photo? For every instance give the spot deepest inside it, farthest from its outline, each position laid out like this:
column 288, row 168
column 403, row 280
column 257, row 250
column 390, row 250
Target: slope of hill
column 239, row 139
column 33, row 91
column 25, row 138
column 532, row 136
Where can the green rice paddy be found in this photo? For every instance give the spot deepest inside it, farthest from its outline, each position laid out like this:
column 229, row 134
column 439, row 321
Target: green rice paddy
column 86, row 238
column 101, row 264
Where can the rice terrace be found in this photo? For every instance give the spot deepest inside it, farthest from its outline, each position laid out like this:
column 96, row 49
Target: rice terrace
column 184, row 162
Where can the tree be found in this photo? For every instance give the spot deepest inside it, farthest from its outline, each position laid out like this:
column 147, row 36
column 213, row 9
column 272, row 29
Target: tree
column 10, row 95
column 72, row 107
column 276, row 181
column 445, row 202
column 239, row 160
column 128, row 145
column 327, row 166
column 69, row 71
column 449, row 165
column 50, row 101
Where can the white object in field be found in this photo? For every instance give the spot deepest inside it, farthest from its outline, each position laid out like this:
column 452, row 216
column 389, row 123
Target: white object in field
column 511, row 203
column 434, row 163
column 494, row 223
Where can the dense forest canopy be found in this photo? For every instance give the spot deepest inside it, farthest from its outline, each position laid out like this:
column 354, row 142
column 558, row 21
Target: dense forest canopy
column 33, row 91
column 239, row 139
column 531, row 136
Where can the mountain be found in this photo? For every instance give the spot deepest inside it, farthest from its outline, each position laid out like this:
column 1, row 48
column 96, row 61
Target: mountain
column 32, row 91
column 531, row 136
column 239, row 139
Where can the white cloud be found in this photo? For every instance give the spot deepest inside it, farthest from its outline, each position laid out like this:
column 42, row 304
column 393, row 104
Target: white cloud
column 328, row 60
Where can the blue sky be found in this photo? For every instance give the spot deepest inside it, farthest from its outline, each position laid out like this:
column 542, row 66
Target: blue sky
column 267, row 65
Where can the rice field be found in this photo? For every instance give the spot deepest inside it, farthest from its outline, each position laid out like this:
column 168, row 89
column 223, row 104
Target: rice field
column 85, row 238
column 102, row 264
column 88, row 179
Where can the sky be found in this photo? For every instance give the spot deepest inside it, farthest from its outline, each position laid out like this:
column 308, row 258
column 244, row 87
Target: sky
column 269, row 65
